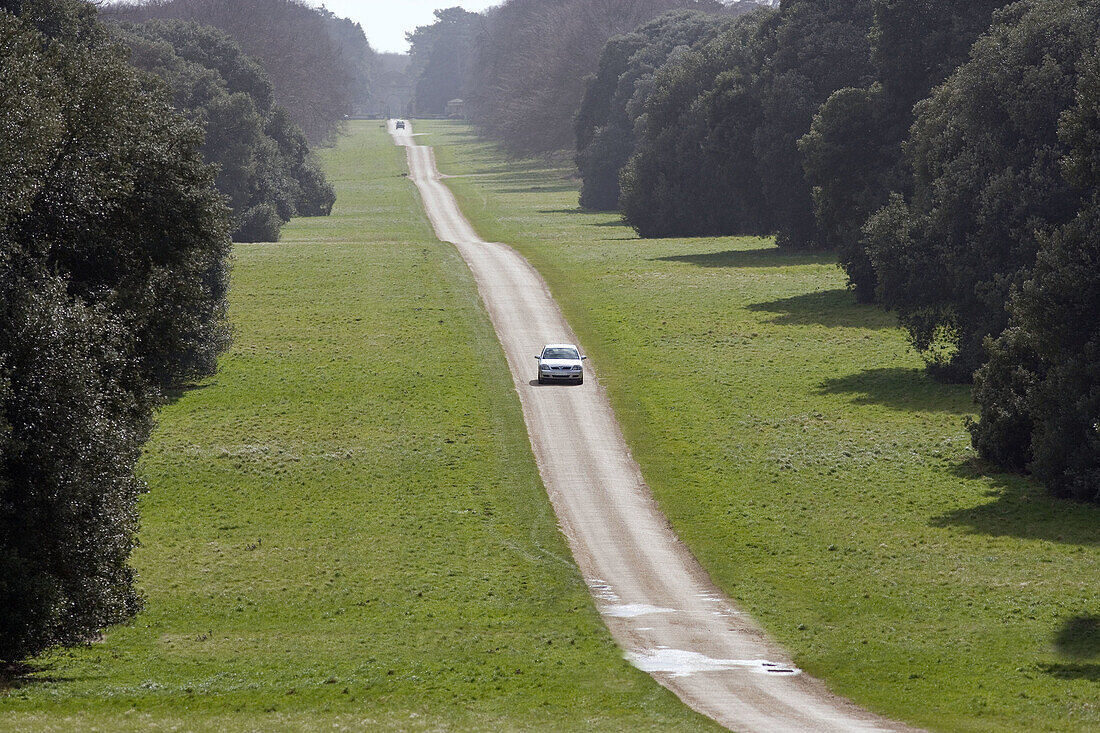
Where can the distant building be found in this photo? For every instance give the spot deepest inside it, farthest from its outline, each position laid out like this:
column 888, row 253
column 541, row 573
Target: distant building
column 391, row 87
column 456, row 108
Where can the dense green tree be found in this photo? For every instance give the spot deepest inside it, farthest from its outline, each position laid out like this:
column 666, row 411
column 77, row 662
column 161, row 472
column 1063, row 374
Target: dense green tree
column 853, row 152
column 1039, row 393
column 987, row 180
column 717, row 150
column 531, row 60
column 113, row 279
column 317, row 63
column 694, row 172
column 616, row 95
column 70, row 435
column 265, row 167
column 815, row 48
column 441, row 57
column 851, row 156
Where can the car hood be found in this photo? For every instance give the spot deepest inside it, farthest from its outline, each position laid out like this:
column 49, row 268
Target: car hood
column 560, row 362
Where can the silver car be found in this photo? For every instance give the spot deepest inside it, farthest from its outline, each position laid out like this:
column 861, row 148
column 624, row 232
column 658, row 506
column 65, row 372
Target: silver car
column 561, row 363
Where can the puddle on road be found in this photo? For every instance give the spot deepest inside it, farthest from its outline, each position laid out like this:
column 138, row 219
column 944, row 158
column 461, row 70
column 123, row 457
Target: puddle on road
column 681, row 663
column 601, row 589
column 630, row 610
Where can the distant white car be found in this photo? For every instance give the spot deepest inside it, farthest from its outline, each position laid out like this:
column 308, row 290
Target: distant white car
column 400, row 125
column 560, row 363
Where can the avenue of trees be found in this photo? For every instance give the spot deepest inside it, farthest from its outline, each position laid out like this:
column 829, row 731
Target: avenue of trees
column 947, row 153
column 944, row 150
column 265, row 166
column 522, row 66
column 319, row 65
column 113, row 283
column 132, row 153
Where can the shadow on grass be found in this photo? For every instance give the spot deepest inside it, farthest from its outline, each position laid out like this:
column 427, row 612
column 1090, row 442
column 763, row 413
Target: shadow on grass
column 1019, row 507
column 174, row 395
column 542, row 188
column 900, row 388
column 18, row 675
column 1077, row 639
column 588, row 212
column 1070, row 671
column 832, row 308
column 763, row 257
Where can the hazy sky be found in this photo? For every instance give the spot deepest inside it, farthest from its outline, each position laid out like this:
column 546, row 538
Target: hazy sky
column 386, row 21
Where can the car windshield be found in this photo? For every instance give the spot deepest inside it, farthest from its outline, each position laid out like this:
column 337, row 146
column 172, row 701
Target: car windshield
column 560, row 354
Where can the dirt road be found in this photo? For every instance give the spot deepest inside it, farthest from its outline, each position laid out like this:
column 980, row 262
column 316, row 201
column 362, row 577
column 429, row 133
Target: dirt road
column 659, row 604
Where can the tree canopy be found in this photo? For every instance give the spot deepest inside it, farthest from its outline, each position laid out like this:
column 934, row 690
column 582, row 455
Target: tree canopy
column 717, row 145
column 113, row 281
column 694, row 172
column 318, row 64
column 987, row 183
column 440, row 58
column 265, row 166
column 615, row 96
column 852, row 153
column 1039, row 393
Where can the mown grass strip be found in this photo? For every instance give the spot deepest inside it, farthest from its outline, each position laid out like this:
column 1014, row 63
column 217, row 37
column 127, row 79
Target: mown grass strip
column 800, row 451
column 345, row 528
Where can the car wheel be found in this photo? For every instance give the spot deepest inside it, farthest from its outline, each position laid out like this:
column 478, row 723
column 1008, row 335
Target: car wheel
column 541, row 380
column 580, row 381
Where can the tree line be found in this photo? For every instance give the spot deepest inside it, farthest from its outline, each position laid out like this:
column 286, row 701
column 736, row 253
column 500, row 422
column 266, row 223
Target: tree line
column 945, row 151
column 521, row 66
column 319, row 65
column 269, row 80
column 265, row 167
column 113, row 280
column 133, row 151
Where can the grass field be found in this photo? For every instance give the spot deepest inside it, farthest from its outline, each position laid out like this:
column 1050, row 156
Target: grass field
column 822, row 479
column 345, row 528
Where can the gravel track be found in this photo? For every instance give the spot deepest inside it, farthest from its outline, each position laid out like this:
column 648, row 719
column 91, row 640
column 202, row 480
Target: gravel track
column 655, row 598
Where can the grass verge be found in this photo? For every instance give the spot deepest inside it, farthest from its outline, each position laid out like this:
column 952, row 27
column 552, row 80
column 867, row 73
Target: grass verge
column 800, row 451
column 345, row 528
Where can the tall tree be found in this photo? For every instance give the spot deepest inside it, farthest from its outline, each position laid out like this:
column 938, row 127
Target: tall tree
column 853, row 151
column 815, row 48
column 615, row 96
column 265, row 167
column 1039, row 394
column 113, row 279
column 987, row 182
column 694, row 171
column 441, row 55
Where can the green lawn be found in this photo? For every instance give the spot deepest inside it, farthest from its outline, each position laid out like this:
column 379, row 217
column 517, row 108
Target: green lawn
column 825, row 482
column 345, row 528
